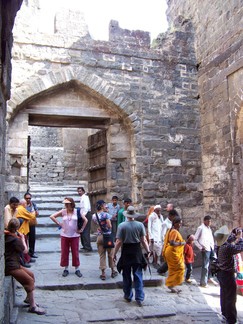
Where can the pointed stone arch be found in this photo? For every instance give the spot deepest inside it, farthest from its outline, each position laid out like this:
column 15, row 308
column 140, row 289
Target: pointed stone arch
column 26, row 101
column 94, row 84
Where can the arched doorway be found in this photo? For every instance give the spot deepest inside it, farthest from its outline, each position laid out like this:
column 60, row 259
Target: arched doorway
column 78, row 112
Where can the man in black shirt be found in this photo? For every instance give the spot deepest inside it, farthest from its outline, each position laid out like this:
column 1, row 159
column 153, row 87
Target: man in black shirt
column 228, row 245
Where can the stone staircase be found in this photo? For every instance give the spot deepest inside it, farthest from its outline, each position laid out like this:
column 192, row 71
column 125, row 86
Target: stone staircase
column 48, row 199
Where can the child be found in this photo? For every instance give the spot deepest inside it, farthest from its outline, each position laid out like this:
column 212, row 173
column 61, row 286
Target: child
column 189, row 256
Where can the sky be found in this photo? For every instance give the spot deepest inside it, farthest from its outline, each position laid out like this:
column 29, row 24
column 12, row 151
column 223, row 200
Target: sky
column 147, row 15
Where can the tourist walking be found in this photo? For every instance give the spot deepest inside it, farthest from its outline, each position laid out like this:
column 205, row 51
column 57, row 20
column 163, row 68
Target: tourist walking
column 173, row 253
column 32, row 208
column 103, row 219
column 155, row 222
column 167, row 224
column 69, row 235
column 130, row 235
column 85, row 210
column 15, row 244
column 205, row 242
column 113, row 209
column 189, row 257
column 121, row 218
column 228, row 245
column 145, row 222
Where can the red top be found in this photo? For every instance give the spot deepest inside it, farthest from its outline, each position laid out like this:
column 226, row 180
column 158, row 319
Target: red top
column 188, row 253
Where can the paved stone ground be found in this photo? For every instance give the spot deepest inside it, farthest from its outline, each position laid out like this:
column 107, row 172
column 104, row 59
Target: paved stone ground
column 76, row 300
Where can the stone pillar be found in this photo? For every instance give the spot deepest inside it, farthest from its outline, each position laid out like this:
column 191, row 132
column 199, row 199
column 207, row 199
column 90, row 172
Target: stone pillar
column 16, row 155
column 8, row 10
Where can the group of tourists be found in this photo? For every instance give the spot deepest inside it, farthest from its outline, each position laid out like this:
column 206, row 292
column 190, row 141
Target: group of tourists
column 155, row 237
column 224, row 247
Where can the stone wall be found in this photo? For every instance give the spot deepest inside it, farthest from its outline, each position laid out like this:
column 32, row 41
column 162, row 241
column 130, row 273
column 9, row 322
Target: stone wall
column 219, row 50
column 151, row 92
column 58, row 155
column 8, row 10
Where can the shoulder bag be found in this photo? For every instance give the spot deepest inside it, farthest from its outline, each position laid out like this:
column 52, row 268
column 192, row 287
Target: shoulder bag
column 108, row 241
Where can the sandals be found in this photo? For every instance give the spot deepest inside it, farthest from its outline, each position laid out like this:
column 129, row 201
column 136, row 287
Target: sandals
column 102, row 277
column 174, row 290
column 26, row 301
column 114, row 274
column 37, row 310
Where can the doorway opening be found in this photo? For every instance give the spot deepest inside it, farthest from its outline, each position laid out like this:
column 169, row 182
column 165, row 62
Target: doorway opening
column 69, row 133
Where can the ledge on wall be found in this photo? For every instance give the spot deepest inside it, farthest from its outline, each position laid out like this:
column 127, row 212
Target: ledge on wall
column 10, row 312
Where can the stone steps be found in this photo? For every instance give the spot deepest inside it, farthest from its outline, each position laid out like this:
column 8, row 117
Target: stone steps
column 48, row 199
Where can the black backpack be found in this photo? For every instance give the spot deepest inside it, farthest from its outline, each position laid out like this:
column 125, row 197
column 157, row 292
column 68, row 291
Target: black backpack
column 80, row 219
column 214, row 264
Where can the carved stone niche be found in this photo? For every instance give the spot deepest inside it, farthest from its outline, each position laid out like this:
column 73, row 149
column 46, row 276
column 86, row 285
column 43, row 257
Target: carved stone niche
column 16, row 164
column 120, row 171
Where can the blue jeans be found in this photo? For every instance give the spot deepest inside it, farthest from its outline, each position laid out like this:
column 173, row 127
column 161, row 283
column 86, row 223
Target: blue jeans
column 138, row 281
column 188, row 270
column 205, row 266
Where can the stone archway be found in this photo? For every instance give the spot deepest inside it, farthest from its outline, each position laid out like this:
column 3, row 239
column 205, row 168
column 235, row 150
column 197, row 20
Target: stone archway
column 94, row 85
column 71, row 105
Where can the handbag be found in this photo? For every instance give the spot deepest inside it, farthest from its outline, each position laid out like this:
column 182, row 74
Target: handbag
column 33, row 221
column 108, row 241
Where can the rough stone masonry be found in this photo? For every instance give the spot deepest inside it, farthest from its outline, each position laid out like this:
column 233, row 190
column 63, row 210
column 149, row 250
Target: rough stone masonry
column 177, row 106
column 148, row 96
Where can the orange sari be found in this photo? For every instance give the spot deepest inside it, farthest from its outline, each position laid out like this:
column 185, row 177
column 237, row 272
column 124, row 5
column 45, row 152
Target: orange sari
column 174, row 256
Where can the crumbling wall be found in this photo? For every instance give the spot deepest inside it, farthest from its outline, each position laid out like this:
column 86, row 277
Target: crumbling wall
column 151, row 89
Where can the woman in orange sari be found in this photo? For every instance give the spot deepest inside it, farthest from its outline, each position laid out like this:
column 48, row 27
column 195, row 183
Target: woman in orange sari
column 173, row 252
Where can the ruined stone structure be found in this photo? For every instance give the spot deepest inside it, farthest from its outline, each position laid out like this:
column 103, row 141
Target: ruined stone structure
column 143, row 100
column 162, row 123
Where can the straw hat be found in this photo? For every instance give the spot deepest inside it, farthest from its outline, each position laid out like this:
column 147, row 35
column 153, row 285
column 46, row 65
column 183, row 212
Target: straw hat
column 66, row 201
column 221, row 235
column 130, row 212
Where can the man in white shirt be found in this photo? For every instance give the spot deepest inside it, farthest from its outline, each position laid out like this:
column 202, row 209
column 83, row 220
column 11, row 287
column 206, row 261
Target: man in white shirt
column 85, row 210
column 154, row 232
column 205, row 242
